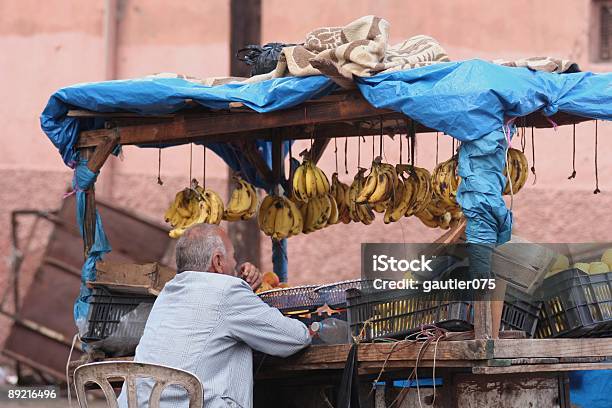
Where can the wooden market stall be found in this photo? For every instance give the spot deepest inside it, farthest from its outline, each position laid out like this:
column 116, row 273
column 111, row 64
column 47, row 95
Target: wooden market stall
column 533, row 368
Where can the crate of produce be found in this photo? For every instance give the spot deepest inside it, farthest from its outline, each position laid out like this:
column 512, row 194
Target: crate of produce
column 334, row 294
column 576, row 304
column 520, row 312
column 375, row 314
column 298, row 299
column 116, row 313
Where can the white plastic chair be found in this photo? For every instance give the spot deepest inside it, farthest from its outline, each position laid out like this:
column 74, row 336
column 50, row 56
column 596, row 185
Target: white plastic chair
column 101, row 373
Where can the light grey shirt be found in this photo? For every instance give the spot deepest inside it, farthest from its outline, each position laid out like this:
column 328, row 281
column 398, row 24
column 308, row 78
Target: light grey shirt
column 208, row 324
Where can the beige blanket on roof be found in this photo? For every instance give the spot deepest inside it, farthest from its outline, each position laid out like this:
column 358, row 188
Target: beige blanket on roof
column 359, row 48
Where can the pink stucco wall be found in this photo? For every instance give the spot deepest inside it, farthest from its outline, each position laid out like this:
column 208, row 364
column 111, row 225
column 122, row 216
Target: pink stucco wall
column 47, row 45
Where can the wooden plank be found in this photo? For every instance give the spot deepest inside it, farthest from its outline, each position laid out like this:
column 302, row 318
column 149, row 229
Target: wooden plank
column 483, row 321
column 150, row 275
column 249, row 148
column 378, row 352
column 189, row 127
column 540, row 368
column 540, row 348
column 318, row 147
column 102, row 151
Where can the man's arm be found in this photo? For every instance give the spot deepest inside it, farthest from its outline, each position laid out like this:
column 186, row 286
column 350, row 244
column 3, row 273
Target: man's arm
column 260, row 326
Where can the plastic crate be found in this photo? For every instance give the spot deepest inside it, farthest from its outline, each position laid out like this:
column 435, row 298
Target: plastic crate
column 106, row 310
column 576, row 304
column 376, row 314
column 397, row 313
column 520, row 312
column 334, row 294
column 296, row 299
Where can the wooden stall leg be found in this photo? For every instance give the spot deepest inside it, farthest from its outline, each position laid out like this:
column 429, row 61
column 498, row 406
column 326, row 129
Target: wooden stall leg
column 483, row 322
column 96, row 157
column 497, row 306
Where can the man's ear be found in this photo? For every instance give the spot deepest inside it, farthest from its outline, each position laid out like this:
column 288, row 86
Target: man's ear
column 217, row 263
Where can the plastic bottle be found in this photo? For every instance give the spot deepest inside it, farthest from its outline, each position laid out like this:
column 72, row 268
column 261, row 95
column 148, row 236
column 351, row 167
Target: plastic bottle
column 331, row 330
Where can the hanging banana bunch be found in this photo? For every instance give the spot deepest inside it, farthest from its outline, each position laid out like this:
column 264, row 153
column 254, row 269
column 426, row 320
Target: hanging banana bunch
column 193, row 206
column 339, row 191
column 420, row 184
column 519, row 170
column 309, row 181
column 359, row 212
column 243, row 201
column 380, row 186
column 318, row 213
column 403, row 199
column 279, row 217
column 445, row 181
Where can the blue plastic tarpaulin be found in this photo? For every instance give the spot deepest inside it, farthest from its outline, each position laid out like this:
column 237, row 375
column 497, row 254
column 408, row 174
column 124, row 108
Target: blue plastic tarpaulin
column 469, row 100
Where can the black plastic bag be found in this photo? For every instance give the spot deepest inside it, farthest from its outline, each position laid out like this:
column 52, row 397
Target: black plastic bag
column 348, row 394
column 261, row 58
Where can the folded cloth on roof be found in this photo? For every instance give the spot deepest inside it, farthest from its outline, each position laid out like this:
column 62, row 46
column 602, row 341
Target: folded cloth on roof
column 546, row 64
column 359, row 48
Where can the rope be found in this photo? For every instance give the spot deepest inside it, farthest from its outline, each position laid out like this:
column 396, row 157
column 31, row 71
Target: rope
column 159, row 180
column 373, row 154
column 507, row 133
column 401, row 148
column 437, row 146
column 380, row 148
column 336, row 152
column 535, row 177
column 190, row 161
column 596, row 191
column 74, row 339
column 346, row 155
column 358, row 153
column 204, row 167
column 573, row 175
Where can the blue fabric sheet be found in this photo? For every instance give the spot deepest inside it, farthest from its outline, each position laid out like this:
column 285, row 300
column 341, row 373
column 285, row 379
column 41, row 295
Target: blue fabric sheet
column 472, row 101
column 469, row 100
column 83, row 179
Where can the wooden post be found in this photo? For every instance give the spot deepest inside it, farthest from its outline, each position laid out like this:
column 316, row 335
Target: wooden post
column 245, row 28
column 95, row 160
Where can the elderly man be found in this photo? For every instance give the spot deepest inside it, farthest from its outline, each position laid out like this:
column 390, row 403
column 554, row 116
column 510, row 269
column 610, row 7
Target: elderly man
column 207, row 320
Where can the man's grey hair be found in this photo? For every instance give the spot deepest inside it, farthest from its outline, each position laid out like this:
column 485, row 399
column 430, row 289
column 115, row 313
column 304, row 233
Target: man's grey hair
column 195, row 249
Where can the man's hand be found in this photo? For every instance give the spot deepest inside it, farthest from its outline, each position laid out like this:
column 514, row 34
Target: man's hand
column 251, row 275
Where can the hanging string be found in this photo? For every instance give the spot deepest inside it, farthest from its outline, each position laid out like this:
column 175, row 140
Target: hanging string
column 346, row 155
column 400, row 140
column 190, row 161
column 523, row 139
column 380, row 148
column 533, row 170
column 358, row 153
column 204, row 167
column 159, row 180
column 336, row 152
column 414, row 143
column 596, row 191
column 573, row 175
column 373, row 148
column 437, row 146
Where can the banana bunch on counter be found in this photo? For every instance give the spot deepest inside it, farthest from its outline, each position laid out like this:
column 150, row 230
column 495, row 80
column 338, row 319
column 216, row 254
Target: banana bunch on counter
column 192, row 206
column 339, row 191
column 309, row 181
column 279, row 217
column 243, row 201
column 519, row 170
